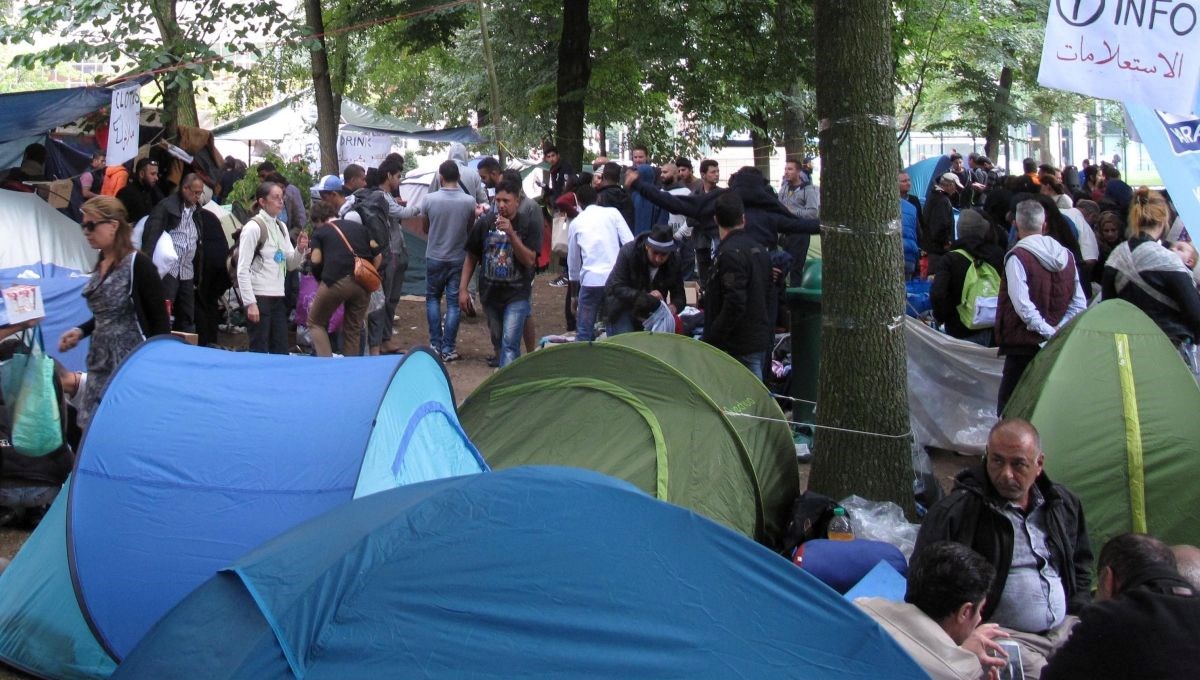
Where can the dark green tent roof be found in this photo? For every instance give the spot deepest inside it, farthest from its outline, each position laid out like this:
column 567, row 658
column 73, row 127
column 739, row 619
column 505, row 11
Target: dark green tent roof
column 621, row 411
column 1117, row 411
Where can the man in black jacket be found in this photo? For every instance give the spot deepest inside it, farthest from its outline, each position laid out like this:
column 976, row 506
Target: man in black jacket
column 939, row 218
column 178, row 215
column 1031, row 530
column 735, row 296
column 612, row 195
column 1145, row 623
column 974, row 232
column 142, row 193
column 648, row 264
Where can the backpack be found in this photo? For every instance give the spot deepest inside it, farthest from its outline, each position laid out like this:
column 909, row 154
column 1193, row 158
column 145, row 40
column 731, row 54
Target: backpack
column 371, row 206
column 231, row 260
column 810, row 517
column 980, row 294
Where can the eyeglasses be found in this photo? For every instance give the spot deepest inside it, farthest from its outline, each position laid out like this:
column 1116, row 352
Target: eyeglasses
column 91, row 225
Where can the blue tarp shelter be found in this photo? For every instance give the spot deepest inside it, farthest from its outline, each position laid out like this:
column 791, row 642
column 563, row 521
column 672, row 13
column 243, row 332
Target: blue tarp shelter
column 194, row 457
column 923, row 173
column 39, row 246
column 529, row 572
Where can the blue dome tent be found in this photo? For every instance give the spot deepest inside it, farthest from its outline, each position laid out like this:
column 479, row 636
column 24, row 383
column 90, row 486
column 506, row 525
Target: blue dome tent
column 528, row 572
column 196, row 456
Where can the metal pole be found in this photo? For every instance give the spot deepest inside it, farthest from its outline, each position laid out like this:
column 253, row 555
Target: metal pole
column 493, row 84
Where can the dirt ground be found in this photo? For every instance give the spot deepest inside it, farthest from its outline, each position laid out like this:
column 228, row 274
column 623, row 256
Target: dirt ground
column 466, row 374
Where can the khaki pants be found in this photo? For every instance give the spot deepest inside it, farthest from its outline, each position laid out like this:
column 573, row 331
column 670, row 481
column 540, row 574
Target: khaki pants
column 355, row 298
column 1036, row 649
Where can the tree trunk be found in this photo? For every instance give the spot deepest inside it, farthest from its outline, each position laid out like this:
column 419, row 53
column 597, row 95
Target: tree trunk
column 793, row 127
column 574, row 74
column 760, row 140
column 328, row 114
column 997, row 121
column 862, row 377
column 179, row 94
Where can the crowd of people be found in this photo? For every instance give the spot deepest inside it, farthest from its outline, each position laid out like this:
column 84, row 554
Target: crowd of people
column 1004, row 557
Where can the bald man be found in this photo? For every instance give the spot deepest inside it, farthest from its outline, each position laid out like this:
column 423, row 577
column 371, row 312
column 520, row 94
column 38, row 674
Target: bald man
column 1030, row 529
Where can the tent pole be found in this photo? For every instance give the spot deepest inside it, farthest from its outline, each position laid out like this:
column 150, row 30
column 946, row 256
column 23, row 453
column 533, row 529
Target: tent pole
column 493, row 85
column 249, row 146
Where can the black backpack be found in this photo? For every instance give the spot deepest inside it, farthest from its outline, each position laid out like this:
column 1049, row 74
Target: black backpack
column 372, row 208
column 811, row 514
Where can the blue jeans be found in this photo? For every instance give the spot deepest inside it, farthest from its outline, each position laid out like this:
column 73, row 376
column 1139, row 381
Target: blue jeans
column 753, row 362
column 591, row 299
column 441, row 278
column 507, row 326
column 621, row 322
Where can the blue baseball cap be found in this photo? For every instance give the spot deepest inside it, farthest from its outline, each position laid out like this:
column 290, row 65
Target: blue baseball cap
column 327, row 183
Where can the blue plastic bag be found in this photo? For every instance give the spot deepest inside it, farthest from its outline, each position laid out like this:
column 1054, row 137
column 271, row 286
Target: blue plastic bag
column 28, row 384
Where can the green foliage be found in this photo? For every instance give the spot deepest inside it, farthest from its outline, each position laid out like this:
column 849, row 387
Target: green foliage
column 296, row 172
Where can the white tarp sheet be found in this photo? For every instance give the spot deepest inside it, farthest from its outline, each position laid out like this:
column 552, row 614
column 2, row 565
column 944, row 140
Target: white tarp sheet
column 952, row 386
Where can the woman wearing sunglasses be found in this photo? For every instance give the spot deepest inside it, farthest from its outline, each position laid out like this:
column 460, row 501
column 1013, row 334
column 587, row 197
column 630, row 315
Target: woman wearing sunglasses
column 124, row 294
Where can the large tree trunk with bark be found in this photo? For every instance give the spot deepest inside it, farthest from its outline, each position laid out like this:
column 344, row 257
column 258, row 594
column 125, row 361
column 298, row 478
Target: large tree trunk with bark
column 863, row 440
column 179, row 94
column 574, row 74
column 760, row 140
column 996, row 122
column 793, row 127
column 329, row 104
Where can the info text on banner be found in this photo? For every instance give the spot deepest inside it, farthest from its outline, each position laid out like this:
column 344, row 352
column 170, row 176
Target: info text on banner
column 1140, row 51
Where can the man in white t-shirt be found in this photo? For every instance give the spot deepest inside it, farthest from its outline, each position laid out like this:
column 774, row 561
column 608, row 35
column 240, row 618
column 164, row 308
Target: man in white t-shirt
column 594, row 239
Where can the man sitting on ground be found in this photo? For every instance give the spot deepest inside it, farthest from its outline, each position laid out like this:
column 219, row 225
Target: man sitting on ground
column 1031, row 530
column 1145, row 623
column 938, row 623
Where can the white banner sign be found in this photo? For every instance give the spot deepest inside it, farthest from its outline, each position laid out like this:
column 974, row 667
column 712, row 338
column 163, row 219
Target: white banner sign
column 1141, row 51
column 124, row 120
column 362, row 148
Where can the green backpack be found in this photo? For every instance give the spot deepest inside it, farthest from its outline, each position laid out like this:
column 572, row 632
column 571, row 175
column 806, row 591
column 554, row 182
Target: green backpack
column 980, row 294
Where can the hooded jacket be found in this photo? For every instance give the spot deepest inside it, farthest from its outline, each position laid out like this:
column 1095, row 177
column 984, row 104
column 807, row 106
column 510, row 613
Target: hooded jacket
column 766, row 218
column 645, row 213
column 951, row 274
column 1051, row 281
column 735, row 296
column 973, row 515
column 468, row 177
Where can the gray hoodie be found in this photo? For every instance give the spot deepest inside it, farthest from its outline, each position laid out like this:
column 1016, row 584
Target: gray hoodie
column 1055, row 258
column 468, row 178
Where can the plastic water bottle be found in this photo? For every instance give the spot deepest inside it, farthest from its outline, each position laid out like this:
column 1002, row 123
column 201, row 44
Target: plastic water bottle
column 839, row 526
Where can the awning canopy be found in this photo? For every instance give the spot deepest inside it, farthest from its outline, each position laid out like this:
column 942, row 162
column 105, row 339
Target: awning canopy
column 298, row 111
column 23, row 114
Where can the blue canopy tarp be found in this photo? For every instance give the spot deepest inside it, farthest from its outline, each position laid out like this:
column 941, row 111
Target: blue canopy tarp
column 196, row 456
column 528, row 572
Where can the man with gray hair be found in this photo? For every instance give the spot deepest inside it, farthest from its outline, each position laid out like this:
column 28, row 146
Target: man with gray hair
column 1039, row 294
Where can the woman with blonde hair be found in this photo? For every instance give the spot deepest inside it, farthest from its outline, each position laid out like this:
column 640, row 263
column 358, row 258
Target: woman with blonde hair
column 124, row 294
column 1144, row 272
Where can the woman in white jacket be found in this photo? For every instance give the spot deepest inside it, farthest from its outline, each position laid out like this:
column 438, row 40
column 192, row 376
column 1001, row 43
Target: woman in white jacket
column 265, row 255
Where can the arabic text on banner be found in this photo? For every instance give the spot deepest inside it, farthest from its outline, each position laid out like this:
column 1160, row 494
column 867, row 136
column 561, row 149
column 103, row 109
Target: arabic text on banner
column 123, row 124
column 1140, row 51
column 362, row 148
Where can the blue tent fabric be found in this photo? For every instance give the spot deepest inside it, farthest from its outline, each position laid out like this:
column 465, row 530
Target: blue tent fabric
column 923, row 173
column 882, row 581
column 528, row 572
column 39, row 613
column 174, row 484
column 24, row 114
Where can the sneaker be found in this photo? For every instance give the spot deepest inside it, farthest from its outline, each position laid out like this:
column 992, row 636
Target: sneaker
column 450, row 356
column 493, row 362
column 560, row 282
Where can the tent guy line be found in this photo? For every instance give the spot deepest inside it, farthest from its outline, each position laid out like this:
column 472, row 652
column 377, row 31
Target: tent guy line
column 904, row 435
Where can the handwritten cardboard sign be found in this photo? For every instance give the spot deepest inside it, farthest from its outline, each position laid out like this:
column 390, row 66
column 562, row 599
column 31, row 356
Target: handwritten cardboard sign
column 362, row 148
column 124, row 120
column 1140, row 51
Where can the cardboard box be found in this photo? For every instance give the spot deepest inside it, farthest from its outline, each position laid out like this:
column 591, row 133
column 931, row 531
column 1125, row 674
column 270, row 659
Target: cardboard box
column 691, row 292
column 22, row 302
column 189, row 338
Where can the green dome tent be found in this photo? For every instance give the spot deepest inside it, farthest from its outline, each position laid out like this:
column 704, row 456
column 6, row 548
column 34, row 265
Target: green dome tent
column 658, row 423
column 1119, row 416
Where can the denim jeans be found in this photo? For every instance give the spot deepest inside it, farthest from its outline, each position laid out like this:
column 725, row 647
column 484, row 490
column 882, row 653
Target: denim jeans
column 753, row 362
column 591, row 299
column 270, row 334
column 441, row 278
column 507, row 326
column 621, row 322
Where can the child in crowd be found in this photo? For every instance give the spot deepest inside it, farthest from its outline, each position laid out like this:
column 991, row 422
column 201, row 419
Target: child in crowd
column 1187, row 252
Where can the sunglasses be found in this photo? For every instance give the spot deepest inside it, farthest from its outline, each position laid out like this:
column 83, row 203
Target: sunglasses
column 91, row 225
